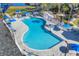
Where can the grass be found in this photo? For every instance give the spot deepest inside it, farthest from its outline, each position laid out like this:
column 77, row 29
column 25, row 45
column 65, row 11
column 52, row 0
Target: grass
column 11, row 10
column 0, row 17
column 76, row 22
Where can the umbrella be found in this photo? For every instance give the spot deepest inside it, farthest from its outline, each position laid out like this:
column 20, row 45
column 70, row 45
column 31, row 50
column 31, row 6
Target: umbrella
column 12, row 20
column 18, row 11
column 64, row 50
column 5, row 17
column 26, row 13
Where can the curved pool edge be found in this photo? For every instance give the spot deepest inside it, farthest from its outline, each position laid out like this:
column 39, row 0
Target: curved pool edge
column 27, row 27
column 26, row 44
column 25, row 49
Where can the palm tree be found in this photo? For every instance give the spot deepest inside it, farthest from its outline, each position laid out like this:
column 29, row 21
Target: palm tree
column 77, row 9
column 44, row 6
column 65, row 8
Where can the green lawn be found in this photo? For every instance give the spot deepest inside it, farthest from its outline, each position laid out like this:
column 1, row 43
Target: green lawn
column 12, row 9
column 76, row 22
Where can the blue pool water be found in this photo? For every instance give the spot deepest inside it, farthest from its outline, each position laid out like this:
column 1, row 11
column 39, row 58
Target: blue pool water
column 67, row 26
column 38, row 37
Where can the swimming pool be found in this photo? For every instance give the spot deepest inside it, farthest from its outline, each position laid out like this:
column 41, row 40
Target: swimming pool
column 38, row 37
column 67, row 26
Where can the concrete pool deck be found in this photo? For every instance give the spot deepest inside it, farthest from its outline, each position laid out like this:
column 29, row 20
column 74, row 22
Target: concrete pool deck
column 21, row 28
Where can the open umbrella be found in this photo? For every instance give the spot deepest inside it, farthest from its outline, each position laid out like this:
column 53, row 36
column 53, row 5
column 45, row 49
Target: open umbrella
column 64, row 50
column 12, row 20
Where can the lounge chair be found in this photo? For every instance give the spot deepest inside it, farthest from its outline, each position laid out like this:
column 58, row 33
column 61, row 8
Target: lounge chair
column 74, row 47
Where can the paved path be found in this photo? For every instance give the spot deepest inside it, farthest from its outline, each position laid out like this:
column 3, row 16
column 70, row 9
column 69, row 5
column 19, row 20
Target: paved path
column 7, row 45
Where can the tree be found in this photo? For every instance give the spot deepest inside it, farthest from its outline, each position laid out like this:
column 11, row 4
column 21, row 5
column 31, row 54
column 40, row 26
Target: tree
column 65, row 9
column 78, row 22
column 1, row 13
column 44, row 6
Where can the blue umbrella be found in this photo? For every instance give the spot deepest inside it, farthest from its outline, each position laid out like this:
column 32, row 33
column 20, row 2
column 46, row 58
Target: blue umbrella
column 5, row 17
column 12, row 20
column 18, row 11
column 26, row 13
